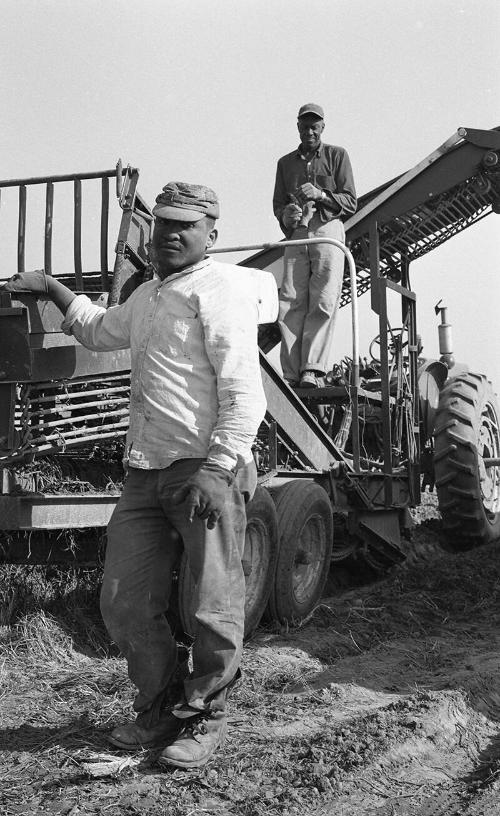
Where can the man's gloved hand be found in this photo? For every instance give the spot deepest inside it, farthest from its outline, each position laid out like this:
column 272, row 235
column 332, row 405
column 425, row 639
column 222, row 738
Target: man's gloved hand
column 205, row 492
column 308, row 192
column 291, row 215
column 35, row 281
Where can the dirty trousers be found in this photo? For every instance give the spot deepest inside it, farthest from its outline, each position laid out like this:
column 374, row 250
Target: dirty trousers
column 143, row 549
column 309, row 299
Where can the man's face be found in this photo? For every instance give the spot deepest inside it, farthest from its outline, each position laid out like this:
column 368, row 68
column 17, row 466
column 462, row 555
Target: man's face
column 310, row 129
column 179, row 244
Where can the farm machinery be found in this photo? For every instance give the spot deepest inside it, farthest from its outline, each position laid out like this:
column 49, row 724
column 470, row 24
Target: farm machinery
column 339, row 466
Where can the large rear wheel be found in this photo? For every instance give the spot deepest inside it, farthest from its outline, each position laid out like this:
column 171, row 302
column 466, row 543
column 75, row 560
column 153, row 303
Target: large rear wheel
column 466, row 432
column 259, row 563
column 305, row 525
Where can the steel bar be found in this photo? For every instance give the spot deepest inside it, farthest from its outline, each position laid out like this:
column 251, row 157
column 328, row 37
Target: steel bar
column 41, row 448
column 21, row 229
column 77, row 234
column 67, row 396
column 491, row 461
column 62, row 407
column 43, row 386
column 57, row 511
column 73, row 420
column 49, row 213
column 68, row 177
column 104, row 233
column 79, row 432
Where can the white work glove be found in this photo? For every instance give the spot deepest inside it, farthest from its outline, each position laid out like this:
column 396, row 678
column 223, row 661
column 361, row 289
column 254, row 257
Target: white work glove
column 35, row 281
column 308, row 192
column 290, row 216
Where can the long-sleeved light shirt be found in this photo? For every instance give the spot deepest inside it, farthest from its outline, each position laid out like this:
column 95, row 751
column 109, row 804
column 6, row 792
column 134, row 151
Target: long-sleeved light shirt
column 196, row 387
column 329, row 170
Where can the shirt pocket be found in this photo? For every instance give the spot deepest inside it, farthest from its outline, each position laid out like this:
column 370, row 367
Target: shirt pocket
column 325, row 182
column 177, row 335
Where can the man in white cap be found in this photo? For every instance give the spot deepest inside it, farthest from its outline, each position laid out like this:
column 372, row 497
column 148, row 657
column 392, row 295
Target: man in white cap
column 196, row 404
column 314, row 191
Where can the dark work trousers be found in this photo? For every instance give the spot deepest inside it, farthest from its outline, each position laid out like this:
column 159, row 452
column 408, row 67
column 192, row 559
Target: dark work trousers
column 143, row 548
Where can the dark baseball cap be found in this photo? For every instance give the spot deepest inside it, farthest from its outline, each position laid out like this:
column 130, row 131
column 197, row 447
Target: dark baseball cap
column 311, row 108
column 180, row 201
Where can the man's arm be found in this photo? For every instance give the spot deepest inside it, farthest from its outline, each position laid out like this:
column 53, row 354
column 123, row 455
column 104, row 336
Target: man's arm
column 38, row 283
column 280, row 193
column 231, row 344
column 93, row 326
column 286, row 211
column 343, row 201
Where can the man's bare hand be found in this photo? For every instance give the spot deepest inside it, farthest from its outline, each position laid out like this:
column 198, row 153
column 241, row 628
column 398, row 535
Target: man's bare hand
column 291, row 216
column 307, row 213
column 34, row 281
column 308, row 192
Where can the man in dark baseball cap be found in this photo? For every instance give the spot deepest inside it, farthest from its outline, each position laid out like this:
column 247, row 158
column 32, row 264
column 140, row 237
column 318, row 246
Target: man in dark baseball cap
column 312, row 109
column 313, row 193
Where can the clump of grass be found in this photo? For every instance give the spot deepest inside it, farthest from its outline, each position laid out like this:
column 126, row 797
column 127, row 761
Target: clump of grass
column 67, row 594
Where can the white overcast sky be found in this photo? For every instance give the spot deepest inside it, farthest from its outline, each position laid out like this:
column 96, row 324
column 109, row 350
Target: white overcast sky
column 207, row 91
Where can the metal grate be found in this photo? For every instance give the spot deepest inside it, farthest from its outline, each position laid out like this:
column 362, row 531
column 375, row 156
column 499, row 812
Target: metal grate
column 419, row 231
column 55, row 416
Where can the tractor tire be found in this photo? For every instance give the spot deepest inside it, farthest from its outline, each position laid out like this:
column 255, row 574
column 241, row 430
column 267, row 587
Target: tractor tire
column 467, row 430
column 305, row 524
column 259, row 563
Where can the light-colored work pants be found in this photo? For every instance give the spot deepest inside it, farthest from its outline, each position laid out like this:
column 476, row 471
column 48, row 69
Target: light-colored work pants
column 309, row 299
column 143, row 549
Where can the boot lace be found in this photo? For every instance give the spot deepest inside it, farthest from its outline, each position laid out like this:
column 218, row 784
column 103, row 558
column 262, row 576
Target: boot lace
column 197, row 727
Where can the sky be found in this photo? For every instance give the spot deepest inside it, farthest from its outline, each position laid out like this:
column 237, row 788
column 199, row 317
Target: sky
column 207, row 91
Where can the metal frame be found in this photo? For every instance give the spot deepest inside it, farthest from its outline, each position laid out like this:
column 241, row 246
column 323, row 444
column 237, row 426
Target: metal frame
column 50, row 183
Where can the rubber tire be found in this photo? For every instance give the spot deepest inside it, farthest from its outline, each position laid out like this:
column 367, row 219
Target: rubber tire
column 303, row 510
column 259, row 563
column 467, row 429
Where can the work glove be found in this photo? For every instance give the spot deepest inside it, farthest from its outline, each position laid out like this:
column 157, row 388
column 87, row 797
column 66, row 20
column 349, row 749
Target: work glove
column 308, row 192
column 204, row 494
column 34, row 281
column 290, row 216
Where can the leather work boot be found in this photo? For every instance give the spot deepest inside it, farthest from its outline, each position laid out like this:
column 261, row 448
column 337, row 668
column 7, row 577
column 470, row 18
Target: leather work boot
column 140, row 734
column 198, row 742
column 311, row 379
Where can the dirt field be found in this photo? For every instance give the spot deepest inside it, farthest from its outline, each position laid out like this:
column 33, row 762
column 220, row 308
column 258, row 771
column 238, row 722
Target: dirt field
column 386, row 702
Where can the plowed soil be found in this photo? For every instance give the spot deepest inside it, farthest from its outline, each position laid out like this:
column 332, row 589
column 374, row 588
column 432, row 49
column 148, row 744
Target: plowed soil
column 386, row 702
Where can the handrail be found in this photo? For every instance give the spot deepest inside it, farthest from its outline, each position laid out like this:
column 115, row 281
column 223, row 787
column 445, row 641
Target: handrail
column 66, row 177
column 354, row 312
column 352, row 274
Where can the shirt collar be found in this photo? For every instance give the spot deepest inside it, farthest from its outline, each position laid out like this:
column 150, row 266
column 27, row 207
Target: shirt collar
column 318, row 152
column 187, row 271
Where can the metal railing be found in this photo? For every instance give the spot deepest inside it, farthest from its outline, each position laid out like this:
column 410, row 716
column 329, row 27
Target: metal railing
column 50, row 182
column 354, row 385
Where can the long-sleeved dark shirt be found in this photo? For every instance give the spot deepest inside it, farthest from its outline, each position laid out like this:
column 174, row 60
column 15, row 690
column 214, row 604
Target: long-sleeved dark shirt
column 329, row 169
